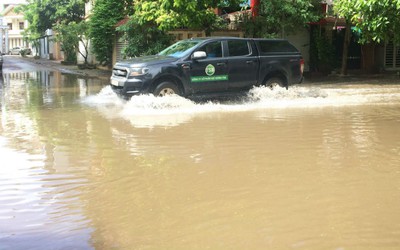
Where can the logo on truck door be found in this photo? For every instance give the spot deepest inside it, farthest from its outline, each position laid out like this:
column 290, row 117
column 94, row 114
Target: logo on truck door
column 210, row 71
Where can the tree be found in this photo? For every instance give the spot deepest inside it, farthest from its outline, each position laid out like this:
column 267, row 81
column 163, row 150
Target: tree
column 32, row 39
column 146, row 31
column 44, row 14
column 347, row 9
column 143, row 39
column 172, row 14
column 106, row 14
column 48, row 14
column 376, row 20
column 285, row 16
column 70, row 36
column 278, row 18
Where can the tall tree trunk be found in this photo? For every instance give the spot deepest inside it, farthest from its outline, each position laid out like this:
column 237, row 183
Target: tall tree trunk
column 346, row 43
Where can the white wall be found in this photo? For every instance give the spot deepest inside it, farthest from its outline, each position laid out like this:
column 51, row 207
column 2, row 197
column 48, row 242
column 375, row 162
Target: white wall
column 301, row 40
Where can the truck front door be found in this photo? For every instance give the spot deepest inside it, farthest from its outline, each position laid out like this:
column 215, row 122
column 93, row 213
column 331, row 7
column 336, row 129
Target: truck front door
column 211, row 73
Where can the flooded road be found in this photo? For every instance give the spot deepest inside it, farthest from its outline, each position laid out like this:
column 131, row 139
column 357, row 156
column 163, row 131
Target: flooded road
column 312, row 167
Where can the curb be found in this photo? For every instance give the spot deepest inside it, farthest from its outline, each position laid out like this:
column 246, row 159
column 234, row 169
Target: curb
column 70, row 69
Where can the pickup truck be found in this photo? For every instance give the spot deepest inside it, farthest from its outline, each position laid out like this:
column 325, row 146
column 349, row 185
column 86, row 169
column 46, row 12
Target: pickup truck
column 210, row 65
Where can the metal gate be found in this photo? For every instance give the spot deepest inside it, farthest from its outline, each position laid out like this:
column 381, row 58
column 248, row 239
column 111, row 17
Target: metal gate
column 120, row 46
column 392, row 56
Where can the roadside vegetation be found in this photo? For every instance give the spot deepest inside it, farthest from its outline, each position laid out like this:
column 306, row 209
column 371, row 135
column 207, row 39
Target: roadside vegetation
column 149, row 21
column 54, row 14
column 376, row 21
column 105, row 15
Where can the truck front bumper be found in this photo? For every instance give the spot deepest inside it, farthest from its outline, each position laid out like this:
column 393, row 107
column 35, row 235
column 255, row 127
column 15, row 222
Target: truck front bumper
column 128, row 86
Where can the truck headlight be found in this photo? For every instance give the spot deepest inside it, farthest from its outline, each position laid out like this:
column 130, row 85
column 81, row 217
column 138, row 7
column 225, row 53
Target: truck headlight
column 138, row 71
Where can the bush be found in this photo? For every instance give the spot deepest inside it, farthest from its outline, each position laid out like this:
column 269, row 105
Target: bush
column 144, row 39
column 23, row 52
column 323, row 58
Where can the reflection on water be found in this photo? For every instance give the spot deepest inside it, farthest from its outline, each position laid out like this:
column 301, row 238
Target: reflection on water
column 308, row 168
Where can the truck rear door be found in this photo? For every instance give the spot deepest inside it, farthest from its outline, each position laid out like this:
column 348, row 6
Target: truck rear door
column 243, row 64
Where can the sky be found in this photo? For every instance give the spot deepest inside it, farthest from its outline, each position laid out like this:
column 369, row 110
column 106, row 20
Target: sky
column 12, row 1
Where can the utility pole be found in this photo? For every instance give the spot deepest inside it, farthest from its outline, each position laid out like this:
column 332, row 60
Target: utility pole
column 3, row 37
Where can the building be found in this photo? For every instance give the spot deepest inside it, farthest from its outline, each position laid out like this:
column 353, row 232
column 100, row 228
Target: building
column 12, row 25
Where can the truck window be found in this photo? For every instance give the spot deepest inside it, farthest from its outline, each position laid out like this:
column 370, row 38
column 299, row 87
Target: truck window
column 238, row 48
column 276, row 47
column 180, row 48
column 213, row 49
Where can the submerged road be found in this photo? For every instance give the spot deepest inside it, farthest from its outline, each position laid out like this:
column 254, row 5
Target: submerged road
column 312, row 167
column 14, row 63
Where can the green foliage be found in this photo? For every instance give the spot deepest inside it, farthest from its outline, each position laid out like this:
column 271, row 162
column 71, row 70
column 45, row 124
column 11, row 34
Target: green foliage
column 35, row 13
column 322, row 57
column 232, row 5
column 171, row 14
column 70, row 35
column 32, row 38
column 44, row 14
column 377, row 20
column 106, row 14
column 280, row 17
column 285, row 17
column 143, row 39
column 49, row 14
column 24, row 52
column 257, row 27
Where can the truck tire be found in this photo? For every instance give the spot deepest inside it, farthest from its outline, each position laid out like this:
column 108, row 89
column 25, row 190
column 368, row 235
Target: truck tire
column 274, row 82
column 166, row 88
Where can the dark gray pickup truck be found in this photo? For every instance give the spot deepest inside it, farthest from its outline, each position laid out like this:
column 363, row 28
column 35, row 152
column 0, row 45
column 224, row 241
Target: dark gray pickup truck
column 210, row 65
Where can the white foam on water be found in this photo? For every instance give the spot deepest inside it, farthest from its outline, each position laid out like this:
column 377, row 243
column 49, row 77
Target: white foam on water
column 105, row 96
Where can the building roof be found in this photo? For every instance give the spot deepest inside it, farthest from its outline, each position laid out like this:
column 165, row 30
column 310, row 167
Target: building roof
column 9, row 10
column 122, row 22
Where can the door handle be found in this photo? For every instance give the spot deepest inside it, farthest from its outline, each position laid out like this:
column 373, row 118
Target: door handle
column 249, row 62
column 185, row 66
column 221, row 64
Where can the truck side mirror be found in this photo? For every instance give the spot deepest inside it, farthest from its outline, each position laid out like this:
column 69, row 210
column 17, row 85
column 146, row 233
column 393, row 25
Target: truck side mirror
column 199, row 55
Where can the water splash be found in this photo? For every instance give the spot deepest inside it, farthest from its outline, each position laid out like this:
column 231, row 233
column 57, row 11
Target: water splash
column 148, row 110
column 105, row 96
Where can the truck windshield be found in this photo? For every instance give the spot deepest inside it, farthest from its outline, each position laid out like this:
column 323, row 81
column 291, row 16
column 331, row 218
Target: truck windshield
column 179, row 49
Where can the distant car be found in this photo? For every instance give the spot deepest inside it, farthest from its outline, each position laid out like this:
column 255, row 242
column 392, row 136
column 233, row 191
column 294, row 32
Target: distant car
column 1, row 61
column 15, row 51
column 19, row 50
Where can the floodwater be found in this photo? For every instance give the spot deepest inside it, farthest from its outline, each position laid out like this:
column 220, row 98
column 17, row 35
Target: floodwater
column 312, row 167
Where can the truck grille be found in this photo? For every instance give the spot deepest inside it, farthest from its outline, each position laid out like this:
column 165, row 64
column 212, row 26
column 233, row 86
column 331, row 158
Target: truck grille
column 119, row 72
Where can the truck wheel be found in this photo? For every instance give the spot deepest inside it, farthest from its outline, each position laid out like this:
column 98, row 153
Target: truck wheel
column 166, row 88
column 274, row 82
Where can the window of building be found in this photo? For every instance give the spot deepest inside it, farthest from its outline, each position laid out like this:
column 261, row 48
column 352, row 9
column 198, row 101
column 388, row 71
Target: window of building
column 21, row 25
column 9, row 26
column 392, row 56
